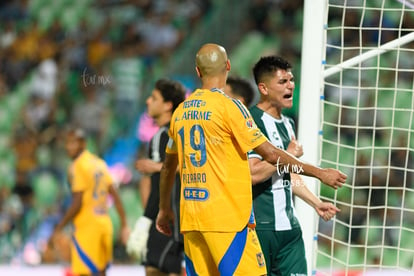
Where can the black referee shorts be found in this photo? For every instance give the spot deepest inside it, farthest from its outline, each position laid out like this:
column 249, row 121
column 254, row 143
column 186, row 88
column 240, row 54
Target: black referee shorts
column 164, row 252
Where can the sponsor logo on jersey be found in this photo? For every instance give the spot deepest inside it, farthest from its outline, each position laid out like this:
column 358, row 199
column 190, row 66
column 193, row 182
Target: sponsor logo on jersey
column 198, row 194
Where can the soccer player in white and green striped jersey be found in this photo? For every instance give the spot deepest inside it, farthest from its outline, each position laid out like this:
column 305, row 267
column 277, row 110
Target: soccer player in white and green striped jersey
column 277, row 226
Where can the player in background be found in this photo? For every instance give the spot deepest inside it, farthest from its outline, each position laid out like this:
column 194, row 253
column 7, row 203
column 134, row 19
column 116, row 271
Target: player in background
column 240, row 89
column 277, row 226
column 91, row 184
column 210, row 135
column 160, row 254
column 146, row 130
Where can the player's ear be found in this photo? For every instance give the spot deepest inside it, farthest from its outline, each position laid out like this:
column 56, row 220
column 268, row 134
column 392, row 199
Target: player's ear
column 262, row 88
column 228, row 65
column 198, row 72
column 168, row 106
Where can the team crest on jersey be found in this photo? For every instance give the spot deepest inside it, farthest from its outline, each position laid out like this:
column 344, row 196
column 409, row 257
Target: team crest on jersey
column 249, row 123
column 260, row 259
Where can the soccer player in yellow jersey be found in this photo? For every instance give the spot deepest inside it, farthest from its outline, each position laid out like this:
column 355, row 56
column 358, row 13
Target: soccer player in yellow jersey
column 210, row 135
column 90, row 184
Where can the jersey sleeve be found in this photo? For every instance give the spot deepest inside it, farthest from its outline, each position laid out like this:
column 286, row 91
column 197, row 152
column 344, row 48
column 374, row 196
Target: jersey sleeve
column 77, row 179
column 244, row 129
column 171, row 146
column 253, row 154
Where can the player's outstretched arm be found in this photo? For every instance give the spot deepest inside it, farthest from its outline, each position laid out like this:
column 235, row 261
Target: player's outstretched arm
column 165, row 215
column 125, row 231
column 325, row 210
column 71, row 212
column 262, row 170
column 286, row 162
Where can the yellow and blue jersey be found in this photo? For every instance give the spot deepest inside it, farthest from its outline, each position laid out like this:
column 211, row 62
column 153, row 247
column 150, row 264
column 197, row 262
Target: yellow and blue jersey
column 92, row 238
column 90, row 175
column 211, row 133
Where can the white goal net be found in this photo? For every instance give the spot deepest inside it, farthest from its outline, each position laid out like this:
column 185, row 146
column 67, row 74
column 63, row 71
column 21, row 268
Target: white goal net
column 367, row 131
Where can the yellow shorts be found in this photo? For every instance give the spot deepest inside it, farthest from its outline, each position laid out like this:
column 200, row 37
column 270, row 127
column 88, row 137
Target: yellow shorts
column 222, row 253
column 91, row 249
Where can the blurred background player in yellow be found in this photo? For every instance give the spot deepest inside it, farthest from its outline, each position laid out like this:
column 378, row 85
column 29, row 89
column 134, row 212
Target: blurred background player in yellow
column 91, row 184
column 210, row 135
column 160, row 254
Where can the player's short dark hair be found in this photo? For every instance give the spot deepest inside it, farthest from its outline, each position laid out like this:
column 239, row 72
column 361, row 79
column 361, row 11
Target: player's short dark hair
column 76, row 131
column 242, row 88
column 171, row 91
column 268, row 65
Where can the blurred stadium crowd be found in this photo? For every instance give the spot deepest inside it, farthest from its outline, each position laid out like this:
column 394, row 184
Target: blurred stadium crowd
column 92, row 63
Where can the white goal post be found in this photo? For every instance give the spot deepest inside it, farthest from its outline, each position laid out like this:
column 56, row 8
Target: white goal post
column 356, row 113
column 309, row 115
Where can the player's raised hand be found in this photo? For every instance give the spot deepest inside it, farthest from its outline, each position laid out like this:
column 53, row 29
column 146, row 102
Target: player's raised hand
column 125, row 234
column 295, row 148
column 332, row 177
column 164, row 221
column 326, row 210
